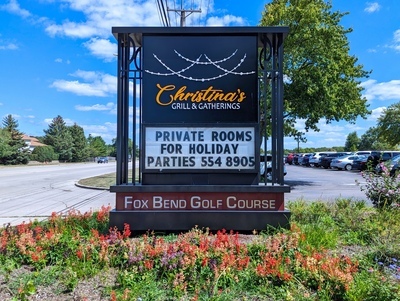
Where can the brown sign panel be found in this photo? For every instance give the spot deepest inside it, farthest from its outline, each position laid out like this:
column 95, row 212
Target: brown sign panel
column 199, row 201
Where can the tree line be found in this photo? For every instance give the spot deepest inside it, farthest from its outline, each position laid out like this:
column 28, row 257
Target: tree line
column 384, row 136
column 62, row 142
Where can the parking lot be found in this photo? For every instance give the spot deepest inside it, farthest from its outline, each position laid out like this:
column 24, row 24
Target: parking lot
column 315, row 183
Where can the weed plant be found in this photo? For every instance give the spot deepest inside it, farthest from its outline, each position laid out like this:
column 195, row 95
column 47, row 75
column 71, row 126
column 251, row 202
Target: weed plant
column 333, row 251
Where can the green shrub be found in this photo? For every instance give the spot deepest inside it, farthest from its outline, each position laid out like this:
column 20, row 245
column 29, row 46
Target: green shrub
column 43, row 154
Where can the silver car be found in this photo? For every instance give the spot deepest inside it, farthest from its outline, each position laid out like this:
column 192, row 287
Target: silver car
column 344, row 162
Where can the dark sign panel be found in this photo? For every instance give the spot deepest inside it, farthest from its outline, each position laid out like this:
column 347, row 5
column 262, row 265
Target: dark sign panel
column 200, row 79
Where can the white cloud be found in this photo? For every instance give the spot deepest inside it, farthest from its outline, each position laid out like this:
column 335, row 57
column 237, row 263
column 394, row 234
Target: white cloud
column 372, row 7
column 71, row 29
column 375, row 114
column 81, row 89
column 95, row 84
column 381, row 91
column 226, row 20
column 101, row 15
column 107, row 131
column 97, row 107
column 396, row 40
column 60, row 60
column 102, row 48
column 13, row 7
column 4, row 45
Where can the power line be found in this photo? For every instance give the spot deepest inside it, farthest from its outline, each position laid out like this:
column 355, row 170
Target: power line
column 163, row 13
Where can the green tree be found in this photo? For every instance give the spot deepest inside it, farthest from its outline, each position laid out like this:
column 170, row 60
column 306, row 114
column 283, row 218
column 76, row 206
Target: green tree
column 97, row 146
column 16, row 151
column 389, row 125
column 299, row 137
column 371, row 140
column 5, row 148
column 321, row 77
column 352, row 142
column 59, row 137
column 43, row 154
column 112, row 148
column 80, row 149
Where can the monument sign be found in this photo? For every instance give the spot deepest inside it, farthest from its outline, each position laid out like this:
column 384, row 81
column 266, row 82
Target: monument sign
column 198, row 128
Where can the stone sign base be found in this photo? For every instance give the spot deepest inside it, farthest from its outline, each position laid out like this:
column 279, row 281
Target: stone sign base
column 182, row 207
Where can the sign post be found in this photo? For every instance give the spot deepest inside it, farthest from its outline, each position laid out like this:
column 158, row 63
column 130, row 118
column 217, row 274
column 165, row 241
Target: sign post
column 197, row 127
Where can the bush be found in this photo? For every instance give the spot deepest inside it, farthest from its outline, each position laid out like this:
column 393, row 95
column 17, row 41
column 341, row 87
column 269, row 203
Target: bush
column 382, row 189
column 43, row 154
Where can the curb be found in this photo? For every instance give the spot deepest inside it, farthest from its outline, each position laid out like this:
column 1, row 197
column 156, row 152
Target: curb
column 91, row 187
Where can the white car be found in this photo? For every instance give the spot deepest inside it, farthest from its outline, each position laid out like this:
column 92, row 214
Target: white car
column 268, row 174
column 315, row 159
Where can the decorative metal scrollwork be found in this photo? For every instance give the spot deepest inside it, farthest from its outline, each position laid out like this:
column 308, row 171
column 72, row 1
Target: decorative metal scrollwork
column 136, row 58
column 267, row 45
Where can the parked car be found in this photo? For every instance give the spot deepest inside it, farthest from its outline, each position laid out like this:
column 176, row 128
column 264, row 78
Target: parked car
column 360, row 163
column 395, row 169
column 306, row 160
column 315, row 159
column 102, row 160
column 297, row 158
column 389, row 164
column 268, row 172
column 289, row 159
column 326, row 161
column 373, row 159
column 345, row 162
column 389, row 155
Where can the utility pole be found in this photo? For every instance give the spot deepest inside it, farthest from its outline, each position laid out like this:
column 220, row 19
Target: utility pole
column 182, row 12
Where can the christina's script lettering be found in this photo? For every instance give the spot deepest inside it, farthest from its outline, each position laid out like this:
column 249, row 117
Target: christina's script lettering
column 169, row 94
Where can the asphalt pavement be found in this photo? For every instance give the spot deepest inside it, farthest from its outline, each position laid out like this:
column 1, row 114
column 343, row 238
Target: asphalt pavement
column 35, row 192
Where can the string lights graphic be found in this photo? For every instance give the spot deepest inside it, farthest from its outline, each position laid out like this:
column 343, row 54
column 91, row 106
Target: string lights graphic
column 198, row 61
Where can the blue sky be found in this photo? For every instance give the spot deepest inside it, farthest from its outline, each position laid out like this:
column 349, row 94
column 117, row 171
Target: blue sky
column 58, row 58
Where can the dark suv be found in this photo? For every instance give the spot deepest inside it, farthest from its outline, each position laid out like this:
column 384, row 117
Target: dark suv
column 372, row 159
column 102, row 160
column 369, row 161
column 326, row 161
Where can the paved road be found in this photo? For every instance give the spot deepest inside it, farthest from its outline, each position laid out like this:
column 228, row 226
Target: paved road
column 29, row 192
column 34, row 192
